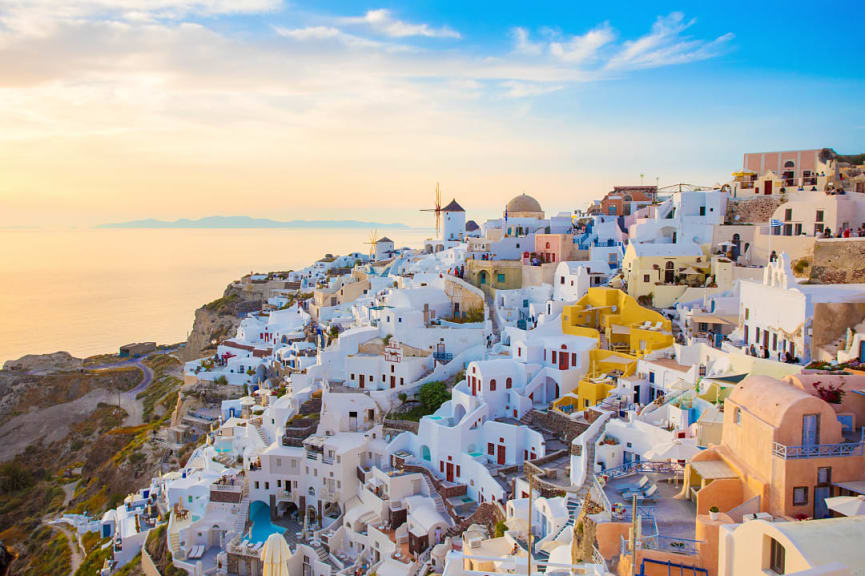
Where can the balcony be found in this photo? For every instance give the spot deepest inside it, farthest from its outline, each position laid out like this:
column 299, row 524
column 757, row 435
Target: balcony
column 818, row 450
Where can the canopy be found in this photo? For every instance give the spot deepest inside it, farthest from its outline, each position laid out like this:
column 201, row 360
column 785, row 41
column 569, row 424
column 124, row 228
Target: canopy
column 847, row 505
column 275, row 555
column 679, row 449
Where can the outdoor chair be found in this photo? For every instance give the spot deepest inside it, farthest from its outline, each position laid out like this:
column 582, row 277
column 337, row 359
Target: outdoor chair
column 635, row 486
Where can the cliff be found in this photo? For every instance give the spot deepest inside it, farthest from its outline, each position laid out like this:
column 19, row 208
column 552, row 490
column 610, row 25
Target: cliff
column 219, row 320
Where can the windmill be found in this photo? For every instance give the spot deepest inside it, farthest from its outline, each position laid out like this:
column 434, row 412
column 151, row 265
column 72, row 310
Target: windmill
column 373, row 240
column 437, row 209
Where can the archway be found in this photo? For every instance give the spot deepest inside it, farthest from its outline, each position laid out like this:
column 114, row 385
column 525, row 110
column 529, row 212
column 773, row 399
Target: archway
column 425, row 453
column 669, row 273
column 459, row 412
column 483, row 277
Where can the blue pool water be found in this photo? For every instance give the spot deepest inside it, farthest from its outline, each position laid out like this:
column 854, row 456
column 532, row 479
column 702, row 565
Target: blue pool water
column 259, row 512
column 435, row 417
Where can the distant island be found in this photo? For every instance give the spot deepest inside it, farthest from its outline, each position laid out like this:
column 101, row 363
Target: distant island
column 247, row 222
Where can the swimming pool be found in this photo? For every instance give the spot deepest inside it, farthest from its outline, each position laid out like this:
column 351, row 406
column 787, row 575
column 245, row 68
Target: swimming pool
column 262, row 527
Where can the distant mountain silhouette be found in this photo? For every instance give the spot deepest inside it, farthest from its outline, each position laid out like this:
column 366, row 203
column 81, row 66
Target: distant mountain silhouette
column 247, row 222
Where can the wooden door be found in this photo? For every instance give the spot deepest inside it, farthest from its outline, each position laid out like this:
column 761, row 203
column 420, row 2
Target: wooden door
column 450, row 471
column 501, row 455
column 361, row 380
column 767, row 187
column 393, row 381
column 563, row 360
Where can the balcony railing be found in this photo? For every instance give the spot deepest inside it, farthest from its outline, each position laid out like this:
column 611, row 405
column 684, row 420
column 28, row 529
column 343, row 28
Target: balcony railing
column 818, row 450
column 443, row 357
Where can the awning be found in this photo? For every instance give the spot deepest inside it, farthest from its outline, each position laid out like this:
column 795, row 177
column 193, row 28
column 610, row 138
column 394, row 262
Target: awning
column 857, row 486
column 713, row 469
column 714, row 319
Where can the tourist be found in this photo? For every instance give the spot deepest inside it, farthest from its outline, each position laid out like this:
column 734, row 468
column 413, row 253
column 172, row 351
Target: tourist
column 846, row 232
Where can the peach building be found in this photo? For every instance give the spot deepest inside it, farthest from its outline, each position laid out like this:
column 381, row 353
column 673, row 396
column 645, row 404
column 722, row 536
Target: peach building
column 786, row 446
column 555, row 248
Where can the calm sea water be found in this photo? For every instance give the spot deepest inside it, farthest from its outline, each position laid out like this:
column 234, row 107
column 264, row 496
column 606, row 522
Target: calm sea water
column 89, row 291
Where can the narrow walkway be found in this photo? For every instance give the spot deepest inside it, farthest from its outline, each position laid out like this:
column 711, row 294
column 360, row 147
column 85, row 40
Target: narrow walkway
column 75, row 547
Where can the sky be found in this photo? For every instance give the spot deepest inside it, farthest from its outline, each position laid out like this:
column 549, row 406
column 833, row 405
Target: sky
column 127, row 109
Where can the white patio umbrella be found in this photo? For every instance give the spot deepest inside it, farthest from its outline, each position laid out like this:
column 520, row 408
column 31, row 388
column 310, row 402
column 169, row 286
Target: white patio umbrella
column 678, row 449
column 275, row 555
column 847, row 505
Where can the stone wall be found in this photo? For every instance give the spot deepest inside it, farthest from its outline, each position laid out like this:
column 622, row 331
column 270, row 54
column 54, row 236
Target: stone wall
column 751, row 210
column 487, row 514
column 831, row 321
column 401, row 425
column 556, row 423
column 839, row 261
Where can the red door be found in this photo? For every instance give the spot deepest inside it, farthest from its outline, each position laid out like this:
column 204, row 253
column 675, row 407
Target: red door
column 767, row 187
column 450, row 474
column 393, row 381
column 501, row 455
column 563, row 360
column 361, row 380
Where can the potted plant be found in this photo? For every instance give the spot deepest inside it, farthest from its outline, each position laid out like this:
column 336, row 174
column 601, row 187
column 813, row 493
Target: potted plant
column 713, row 513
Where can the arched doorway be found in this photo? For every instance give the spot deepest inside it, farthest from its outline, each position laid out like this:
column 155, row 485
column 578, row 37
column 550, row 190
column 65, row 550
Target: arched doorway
column 483, row 277
column 669, row 273
column 425, row 453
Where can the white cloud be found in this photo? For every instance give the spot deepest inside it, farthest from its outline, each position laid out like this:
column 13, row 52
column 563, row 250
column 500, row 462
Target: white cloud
column 665, row 45
column 383, row 22
column 516, row 89
column 309, row 33
column 522, row 43
column 580, row 49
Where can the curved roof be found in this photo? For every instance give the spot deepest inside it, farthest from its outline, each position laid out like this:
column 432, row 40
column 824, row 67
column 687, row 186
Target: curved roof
column 471, row 226
column 453, row 207
column 767, row 398
column 524, row 203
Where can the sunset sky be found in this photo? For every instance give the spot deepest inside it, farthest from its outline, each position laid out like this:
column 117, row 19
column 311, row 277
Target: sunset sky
column 127, row 109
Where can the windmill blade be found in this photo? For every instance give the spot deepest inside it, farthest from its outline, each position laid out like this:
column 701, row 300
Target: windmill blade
column 438, row 221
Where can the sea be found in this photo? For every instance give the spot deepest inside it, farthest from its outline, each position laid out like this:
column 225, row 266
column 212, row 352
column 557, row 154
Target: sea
column 89, row 291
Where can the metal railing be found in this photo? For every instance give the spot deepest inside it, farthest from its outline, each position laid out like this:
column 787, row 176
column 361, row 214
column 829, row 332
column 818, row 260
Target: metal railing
column 642, row 466
column 818, row 450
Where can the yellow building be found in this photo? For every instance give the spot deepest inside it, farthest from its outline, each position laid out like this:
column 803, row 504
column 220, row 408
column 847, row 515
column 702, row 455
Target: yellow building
column 661, row 273
column 605, row 368
column 491, row 275
column 623, row 325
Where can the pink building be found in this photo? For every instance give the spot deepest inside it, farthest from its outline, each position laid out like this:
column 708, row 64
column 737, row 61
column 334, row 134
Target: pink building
column 790, row 165
column 555, row 248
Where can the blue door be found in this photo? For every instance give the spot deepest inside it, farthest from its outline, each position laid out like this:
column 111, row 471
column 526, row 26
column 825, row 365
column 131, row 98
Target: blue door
column 810, row 429
column 820, row 495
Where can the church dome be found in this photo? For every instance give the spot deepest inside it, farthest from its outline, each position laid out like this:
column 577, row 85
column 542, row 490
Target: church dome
column 524, row 204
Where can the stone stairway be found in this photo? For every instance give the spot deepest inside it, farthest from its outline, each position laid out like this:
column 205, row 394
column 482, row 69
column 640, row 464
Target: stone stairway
column 440, row 504
column 239, row 526
column 262, row 434
column 321, row 552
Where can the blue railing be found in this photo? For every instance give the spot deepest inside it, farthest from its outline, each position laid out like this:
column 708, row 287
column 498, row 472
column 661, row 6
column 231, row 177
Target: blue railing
column 818, row 450
column 642, row 466
column 443, row 357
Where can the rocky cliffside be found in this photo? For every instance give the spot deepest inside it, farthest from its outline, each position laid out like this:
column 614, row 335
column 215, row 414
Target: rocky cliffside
column 219, row 320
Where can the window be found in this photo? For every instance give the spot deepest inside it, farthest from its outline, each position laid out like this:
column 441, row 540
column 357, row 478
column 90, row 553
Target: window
column 747, row 313
column 491, row 449
column 800, row 496
column 554, row 357
column 737, row 415
column 500, row 277
column 458, row 470
column 818, row 229
column 824, row 475
column 702, row 210
column 797, row 229
column 774, row 341
column 776, row 557
column 788, row 214
column 645, row 278
column 508, row 383
column 819, row 217
column 561, row 280
column 493, row 385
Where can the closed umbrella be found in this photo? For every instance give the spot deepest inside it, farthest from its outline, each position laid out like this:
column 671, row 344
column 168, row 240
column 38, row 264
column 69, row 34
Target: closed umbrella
column 679, row 449
column 847, row 505
column 275, row 555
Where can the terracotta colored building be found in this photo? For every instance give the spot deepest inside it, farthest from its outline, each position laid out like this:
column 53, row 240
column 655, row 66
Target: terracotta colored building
column 786, row 446
column 626, row 199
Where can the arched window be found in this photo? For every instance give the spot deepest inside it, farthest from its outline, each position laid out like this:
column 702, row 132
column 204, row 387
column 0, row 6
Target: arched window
column 789, row 164
column 548, row 245
column 508, row 383
column 493, row 385
column 669, row 265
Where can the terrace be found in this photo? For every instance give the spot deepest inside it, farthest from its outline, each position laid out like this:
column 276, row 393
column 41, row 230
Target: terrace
column 669, row 523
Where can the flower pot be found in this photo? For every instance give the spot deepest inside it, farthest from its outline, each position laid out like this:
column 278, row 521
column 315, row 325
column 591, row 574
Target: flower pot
column 713, row 515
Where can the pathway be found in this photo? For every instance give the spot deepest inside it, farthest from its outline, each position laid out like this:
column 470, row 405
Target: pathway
column 75, row 547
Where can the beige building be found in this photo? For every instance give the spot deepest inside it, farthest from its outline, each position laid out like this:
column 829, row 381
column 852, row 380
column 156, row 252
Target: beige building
column 831, row 547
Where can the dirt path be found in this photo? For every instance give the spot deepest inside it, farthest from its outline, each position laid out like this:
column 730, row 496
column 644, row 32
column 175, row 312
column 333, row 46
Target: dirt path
column 75, row 546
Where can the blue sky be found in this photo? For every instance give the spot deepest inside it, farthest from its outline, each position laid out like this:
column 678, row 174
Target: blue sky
column 199, row 103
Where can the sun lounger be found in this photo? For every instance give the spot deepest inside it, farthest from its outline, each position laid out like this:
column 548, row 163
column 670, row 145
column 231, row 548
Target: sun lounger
column 649, row 495
column 636, row 486
column 647, row 491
